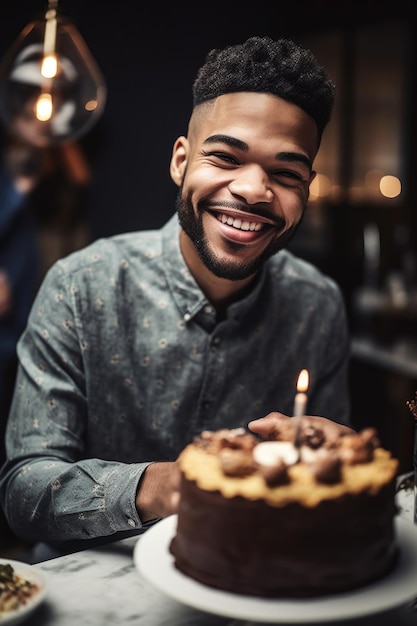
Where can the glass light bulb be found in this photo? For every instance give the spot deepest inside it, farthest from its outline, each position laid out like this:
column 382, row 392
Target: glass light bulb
column 49, row 66
column 44, row 107
column 49, row 96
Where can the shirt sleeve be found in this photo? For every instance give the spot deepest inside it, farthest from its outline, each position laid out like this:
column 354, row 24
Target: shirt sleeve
column 50, row 491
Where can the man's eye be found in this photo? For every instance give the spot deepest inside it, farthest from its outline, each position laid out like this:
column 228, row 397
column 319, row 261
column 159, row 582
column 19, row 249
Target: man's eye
column 222, row 156
column 289, row 174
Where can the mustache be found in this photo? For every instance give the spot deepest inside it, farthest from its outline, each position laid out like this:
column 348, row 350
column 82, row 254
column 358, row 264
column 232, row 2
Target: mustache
column 240, row 206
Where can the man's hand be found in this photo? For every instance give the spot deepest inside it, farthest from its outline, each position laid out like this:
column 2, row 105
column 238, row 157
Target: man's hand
column 5, row 294
column 265, row 426
column 158, row 491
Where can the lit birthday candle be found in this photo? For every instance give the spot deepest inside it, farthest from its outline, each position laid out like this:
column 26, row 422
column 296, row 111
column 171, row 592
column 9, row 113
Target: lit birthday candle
column 300, row 403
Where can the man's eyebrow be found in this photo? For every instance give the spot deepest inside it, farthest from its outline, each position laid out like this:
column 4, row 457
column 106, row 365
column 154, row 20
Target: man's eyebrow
column 291, row 157
column 294, row 157
column 230, row 141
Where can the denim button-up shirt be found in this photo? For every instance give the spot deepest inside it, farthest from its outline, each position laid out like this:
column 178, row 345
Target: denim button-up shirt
column 123, row 362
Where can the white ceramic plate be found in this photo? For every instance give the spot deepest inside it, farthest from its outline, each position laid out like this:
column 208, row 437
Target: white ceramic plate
column 154, row 561
column 29, row 572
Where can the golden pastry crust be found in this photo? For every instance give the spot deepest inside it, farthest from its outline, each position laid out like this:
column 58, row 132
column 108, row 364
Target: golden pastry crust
column 203, row 465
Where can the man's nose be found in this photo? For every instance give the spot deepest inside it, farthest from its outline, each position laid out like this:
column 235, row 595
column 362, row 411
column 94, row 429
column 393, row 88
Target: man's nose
column 252, row 184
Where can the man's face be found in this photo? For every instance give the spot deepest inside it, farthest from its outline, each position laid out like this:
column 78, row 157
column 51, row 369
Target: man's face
column 244, row 173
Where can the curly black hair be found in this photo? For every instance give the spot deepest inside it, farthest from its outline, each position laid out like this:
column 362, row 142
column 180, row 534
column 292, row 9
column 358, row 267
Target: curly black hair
column 260, row 64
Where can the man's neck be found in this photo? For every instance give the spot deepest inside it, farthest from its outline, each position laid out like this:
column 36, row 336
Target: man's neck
column 221, row 292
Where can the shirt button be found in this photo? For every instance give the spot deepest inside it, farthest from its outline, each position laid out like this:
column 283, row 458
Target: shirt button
column 208, row 309
column 187, row 317
column 131, row 522
column 216, row 341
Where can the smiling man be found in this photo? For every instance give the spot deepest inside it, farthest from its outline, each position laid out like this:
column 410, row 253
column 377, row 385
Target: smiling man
column 142, row 340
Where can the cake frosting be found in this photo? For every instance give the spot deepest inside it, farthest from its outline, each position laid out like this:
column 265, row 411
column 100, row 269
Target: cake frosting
column 265, row 518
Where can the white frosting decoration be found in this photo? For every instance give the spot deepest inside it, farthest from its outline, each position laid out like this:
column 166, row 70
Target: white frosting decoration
column 268, row 453
column 308, row 455
column 237, row 431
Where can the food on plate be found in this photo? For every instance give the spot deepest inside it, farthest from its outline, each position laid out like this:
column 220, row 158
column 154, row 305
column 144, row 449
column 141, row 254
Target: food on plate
column 15, row 590
column 265, row 518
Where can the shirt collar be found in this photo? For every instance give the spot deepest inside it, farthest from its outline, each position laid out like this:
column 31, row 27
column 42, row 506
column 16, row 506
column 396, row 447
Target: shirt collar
column 187, row 294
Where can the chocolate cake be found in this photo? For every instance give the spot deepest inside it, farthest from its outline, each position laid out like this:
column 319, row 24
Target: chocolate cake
column 264, row 518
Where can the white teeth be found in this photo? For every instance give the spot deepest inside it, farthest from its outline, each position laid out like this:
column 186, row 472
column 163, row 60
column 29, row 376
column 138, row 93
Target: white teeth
column 240, row 224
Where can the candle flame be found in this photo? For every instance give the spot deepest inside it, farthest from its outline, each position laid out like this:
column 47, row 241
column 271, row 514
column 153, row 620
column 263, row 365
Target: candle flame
column 303, row 380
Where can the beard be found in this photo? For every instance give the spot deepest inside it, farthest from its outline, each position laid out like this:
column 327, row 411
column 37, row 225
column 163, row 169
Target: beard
column 192, row 225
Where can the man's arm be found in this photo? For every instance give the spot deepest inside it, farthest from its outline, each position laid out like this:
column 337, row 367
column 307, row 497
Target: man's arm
column 50, row 487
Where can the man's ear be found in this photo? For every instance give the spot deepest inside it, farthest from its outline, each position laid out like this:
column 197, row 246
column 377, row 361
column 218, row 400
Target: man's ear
column 312, row 177
column 179, row 160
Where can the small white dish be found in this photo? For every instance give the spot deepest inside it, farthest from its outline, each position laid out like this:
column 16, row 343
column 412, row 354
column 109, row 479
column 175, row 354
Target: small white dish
column 34, row 575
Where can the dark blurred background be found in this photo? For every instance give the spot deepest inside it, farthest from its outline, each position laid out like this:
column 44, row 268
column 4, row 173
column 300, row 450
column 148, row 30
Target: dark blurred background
column 366, row 240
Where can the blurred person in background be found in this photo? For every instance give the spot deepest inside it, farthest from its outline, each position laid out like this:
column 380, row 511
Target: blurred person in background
column 19, row 255
column 19, row 265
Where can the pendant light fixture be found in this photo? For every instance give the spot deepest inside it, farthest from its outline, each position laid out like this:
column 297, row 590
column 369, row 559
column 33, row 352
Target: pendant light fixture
column 51, row 89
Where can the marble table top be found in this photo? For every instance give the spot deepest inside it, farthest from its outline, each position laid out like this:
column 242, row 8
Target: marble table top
column 102, row 587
